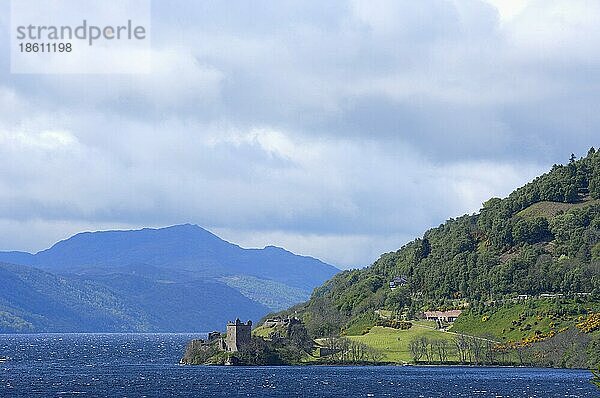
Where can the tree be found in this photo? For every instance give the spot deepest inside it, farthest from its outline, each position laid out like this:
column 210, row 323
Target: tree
column 258, row 352
column 596, row 251
column 596, row 379
column 476, row 347
column 462, row 347
column 427, row 348
column 299, row 337
column 199, row 354
column 595, row 187
column 422, row 249
column 441, row 348
column 490, row 351
column 531, row 231
column 521, row 349
column 416, row 350
column 346, row 350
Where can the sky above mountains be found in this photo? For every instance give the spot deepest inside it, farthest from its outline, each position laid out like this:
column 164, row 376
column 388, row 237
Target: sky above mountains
column 337, row 129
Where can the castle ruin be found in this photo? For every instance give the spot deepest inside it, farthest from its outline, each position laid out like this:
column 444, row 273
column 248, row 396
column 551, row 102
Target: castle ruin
column 238, row 335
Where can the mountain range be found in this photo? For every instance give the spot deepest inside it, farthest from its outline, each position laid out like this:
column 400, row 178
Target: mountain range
column 176, row 279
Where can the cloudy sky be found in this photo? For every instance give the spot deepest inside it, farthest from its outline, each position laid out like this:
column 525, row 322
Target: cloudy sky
column 337, row 129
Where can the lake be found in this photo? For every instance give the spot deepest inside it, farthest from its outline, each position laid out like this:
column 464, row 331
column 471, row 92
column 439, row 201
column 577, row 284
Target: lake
column 146, row 365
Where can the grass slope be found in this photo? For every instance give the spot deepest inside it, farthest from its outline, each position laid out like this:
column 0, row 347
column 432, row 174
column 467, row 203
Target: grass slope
column 550, row 210
column 262, row 331
column 518, row 321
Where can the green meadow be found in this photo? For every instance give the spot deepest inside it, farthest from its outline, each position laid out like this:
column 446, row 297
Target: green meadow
column 393, row 344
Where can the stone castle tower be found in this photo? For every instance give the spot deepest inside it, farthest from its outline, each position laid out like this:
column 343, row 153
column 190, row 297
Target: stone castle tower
column 238, row 334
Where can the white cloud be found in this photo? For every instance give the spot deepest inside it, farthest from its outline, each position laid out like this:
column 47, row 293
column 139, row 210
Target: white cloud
column 563, row 32
column 45, row 140
column 509, row 9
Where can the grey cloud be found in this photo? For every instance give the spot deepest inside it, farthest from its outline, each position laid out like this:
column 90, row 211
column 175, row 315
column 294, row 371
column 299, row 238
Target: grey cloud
column 350, row 123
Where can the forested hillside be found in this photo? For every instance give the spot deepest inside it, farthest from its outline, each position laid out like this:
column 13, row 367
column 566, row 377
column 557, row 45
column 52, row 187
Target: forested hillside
column 543, row 239
column 34, row 301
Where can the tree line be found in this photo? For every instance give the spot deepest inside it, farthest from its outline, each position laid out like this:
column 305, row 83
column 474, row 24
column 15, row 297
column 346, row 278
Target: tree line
column 345, row 350
column 462, row 349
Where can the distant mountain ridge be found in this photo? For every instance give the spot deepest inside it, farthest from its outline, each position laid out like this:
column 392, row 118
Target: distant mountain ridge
column 182, row 248
column 158, row 274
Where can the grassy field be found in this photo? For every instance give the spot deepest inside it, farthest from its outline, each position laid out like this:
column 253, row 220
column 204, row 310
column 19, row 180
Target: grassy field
column 393, row 343
column 262, row 331
column 517, row 321
column 359, row 326
column 550, row 209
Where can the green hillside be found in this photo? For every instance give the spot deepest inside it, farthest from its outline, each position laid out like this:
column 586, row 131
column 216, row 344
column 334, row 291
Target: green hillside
column 541, row 242
column 519, row 321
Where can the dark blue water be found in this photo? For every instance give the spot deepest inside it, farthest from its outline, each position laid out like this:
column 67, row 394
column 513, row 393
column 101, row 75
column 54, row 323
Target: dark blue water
column 145, row 365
